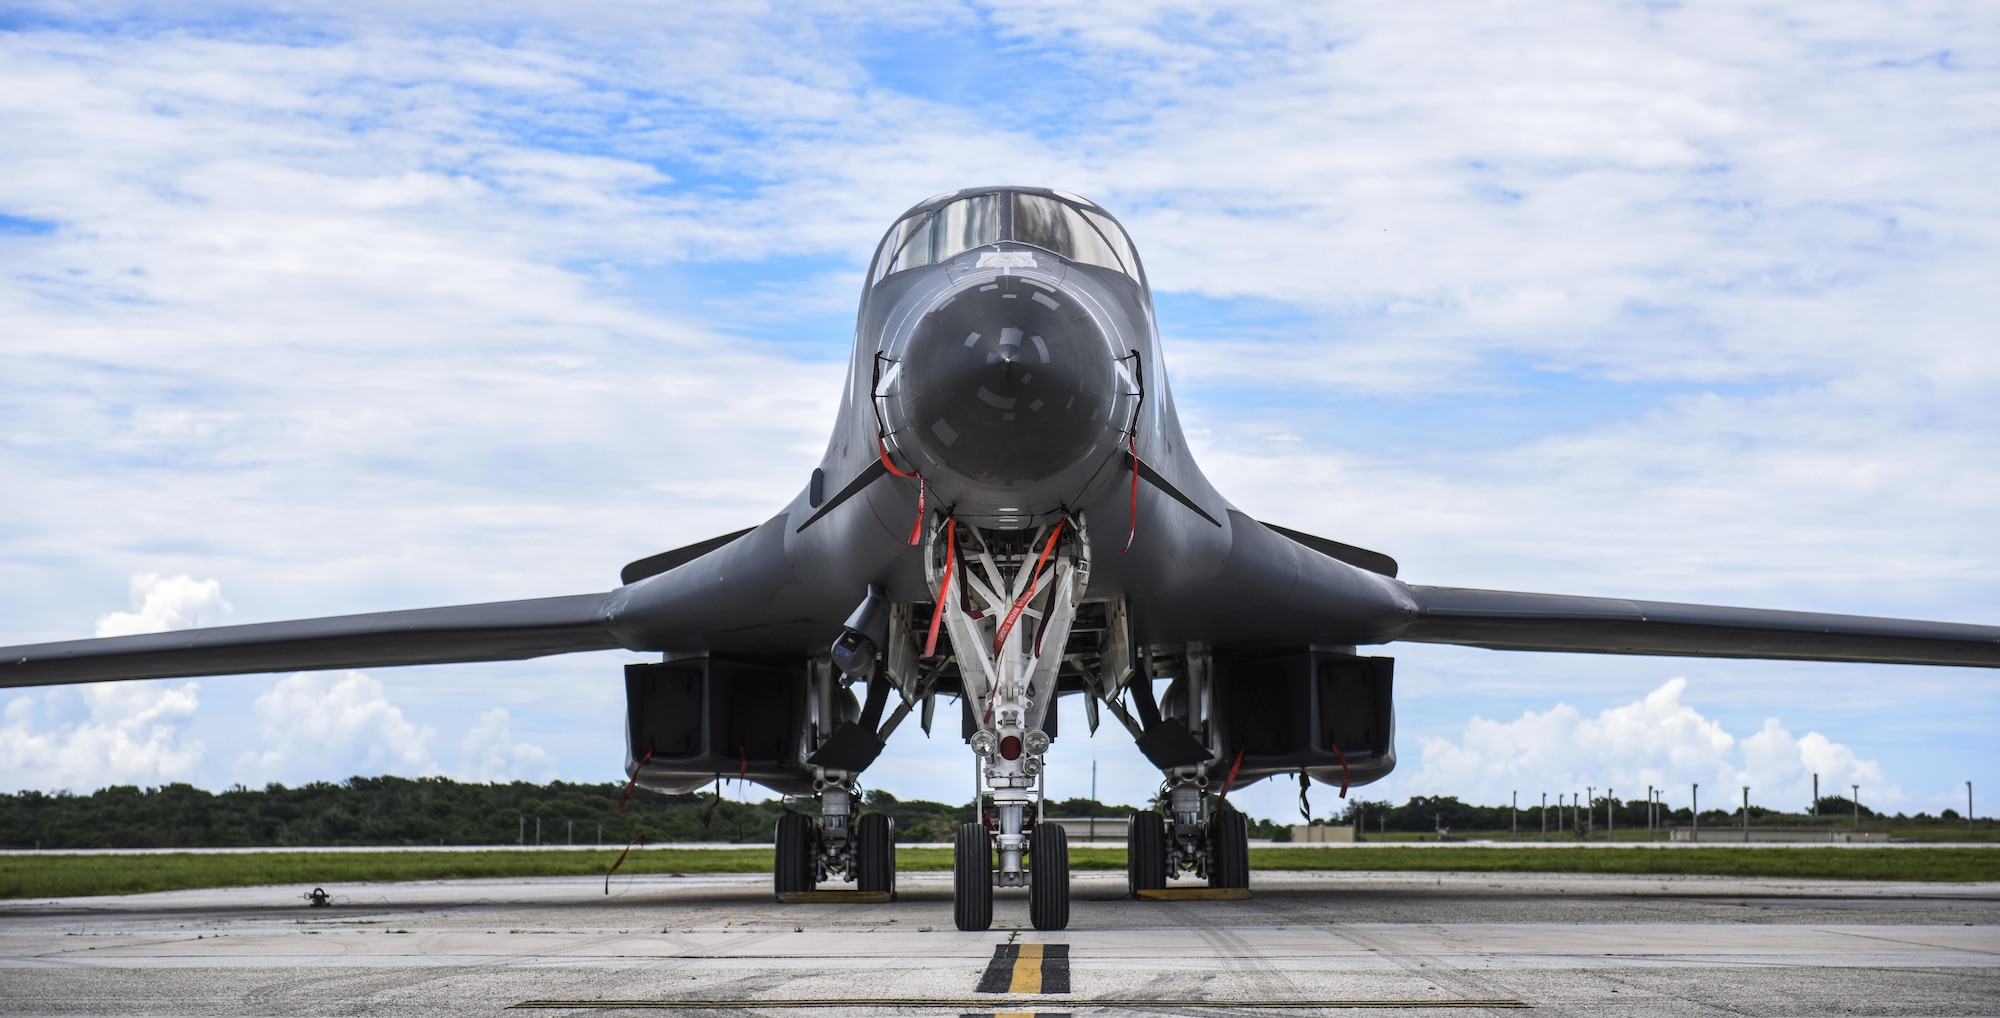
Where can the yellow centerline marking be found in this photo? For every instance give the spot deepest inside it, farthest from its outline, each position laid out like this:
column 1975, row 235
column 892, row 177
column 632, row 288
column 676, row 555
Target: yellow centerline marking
column 990, row 1004
column 1027, row 970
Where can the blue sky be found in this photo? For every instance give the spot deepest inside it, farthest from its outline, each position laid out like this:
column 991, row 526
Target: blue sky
column 347, row 312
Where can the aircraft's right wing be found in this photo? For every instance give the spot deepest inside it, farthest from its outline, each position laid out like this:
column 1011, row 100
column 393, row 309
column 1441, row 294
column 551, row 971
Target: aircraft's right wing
column 503, row 631
column 1510, row 620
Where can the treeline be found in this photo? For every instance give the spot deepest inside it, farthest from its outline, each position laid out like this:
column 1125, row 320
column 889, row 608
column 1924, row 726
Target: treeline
column 1430, row 813
column 437, row 811
column 373, row 812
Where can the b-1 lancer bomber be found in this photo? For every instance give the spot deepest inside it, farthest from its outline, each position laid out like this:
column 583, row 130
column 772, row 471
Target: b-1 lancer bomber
column 1007, row 513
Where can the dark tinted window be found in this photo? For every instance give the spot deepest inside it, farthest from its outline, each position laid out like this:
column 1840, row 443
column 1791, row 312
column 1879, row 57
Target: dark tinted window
column 1055, row 226
column 952, row 230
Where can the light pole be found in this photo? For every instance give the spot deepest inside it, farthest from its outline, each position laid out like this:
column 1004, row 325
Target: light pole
column 1610, row 815
column 1815, row 797
column 1857, row 806
column 1545, row 815
column 1590, row 819
column 1649, row 813
column 1694, row 811
column 1746, row 814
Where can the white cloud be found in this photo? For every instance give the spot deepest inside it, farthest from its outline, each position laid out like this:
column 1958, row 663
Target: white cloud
column 491, row 753
column 161, row 603
column 328, row 726
column 1658, row 741
column 114, row 733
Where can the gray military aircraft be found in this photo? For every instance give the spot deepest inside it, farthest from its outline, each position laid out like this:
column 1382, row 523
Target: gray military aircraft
column 1007, row 513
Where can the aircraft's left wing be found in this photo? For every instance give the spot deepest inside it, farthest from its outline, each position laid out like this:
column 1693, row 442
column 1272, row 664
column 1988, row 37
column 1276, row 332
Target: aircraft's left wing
column 502, row 631
column 1510, row 620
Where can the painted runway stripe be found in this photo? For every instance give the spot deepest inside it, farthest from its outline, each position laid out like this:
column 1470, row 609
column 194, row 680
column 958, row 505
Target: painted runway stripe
column 1016, row 1005
column 1027, row 968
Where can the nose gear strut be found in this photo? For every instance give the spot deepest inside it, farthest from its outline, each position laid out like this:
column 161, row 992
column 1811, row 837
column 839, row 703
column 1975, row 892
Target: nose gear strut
column 1008, row 653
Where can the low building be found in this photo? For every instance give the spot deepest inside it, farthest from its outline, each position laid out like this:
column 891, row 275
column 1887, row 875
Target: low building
column 1099, row 830
column 1303, row 834
column 1787, row 835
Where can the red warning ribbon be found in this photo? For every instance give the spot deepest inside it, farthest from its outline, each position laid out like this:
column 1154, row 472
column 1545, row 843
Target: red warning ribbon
column 1034, row 580
column 629, row 785
column 1230, row 781
column 638, row 839
column 882, row 450
column 742, row 770
column 944, row 588
column 1343, row 768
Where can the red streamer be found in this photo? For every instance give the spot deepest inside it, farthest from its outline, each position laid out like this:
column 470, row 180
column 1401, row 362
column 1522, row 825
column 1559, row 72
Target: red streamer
column 1230, row 781
column 944, row 589
column 882, row 450
column 639, row 839
column 1034, row 580
column 629, row 785
column 1343, row 768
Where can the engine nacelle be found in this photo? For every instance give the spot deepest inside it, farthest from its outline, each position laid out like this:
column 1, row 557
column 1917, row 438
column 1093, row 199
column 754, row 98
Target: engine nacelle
column 696, row 718
column 1288, row 711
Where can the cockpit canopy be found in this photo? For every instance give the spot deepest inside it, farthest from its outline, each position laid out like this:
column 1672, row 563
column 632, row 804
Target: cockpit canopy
column 1057, row 222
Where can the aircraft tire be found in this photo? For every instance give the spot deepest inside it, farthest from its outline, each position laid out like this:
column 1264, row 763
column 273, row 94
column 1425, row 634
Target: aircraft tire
column 1146, row 852
column 875, row 851
column 792, row 861
column 972, row 878
column 1048, row 877
column 1228, row 849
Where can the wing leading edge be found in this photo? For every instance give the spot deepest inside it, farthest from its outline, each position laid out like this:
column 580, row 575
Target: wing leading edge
column 1510, row 620
column 501, row 631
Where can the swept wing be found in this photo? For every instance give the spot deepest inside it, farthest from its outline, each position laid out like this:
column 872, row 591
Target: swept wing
column 1512, row 620
column 501, row 631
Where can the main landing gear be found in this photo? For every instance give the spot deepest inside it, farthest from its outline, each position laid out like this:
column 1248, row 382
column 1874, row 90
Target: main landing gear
column 1196, row 833
column 863, row 849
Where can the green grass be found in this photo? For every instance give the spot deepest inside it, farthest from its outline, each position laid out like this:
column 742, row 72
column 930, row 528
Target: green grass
column 51, row 876
column 1810, row 862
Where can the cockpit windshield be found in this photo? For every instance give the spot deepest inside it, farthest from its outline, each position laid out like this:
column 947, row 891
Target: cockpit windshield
column 927, row 239
column 1078, row 234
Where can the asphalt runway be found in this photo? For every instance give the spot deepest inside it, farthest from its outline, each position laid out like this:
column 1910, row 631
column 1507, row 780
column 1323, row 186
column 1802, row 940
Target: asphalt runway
column 1305, row 943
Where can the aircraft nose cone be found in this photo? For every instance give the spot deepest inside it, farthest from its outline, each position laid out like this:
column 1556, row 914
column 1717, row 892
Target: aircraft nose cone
column 1009, row 384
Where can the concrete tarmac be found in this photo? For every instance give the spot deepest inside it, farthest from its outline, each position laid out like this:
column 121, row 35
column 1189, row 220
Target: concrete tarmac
column 1305, row 943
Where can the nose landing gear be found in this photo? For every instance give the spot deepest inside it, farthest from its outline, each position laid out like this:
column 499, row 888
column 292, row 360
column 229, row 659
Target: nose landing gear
column 1026, row 585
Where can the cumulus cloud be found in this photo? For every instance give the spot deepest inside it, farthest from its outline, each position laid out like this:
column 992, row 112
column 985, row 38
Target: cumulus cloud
column 1659, row 740
column 326, row 726
column 84, row 738
column 161, row 603
column 491, row 753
